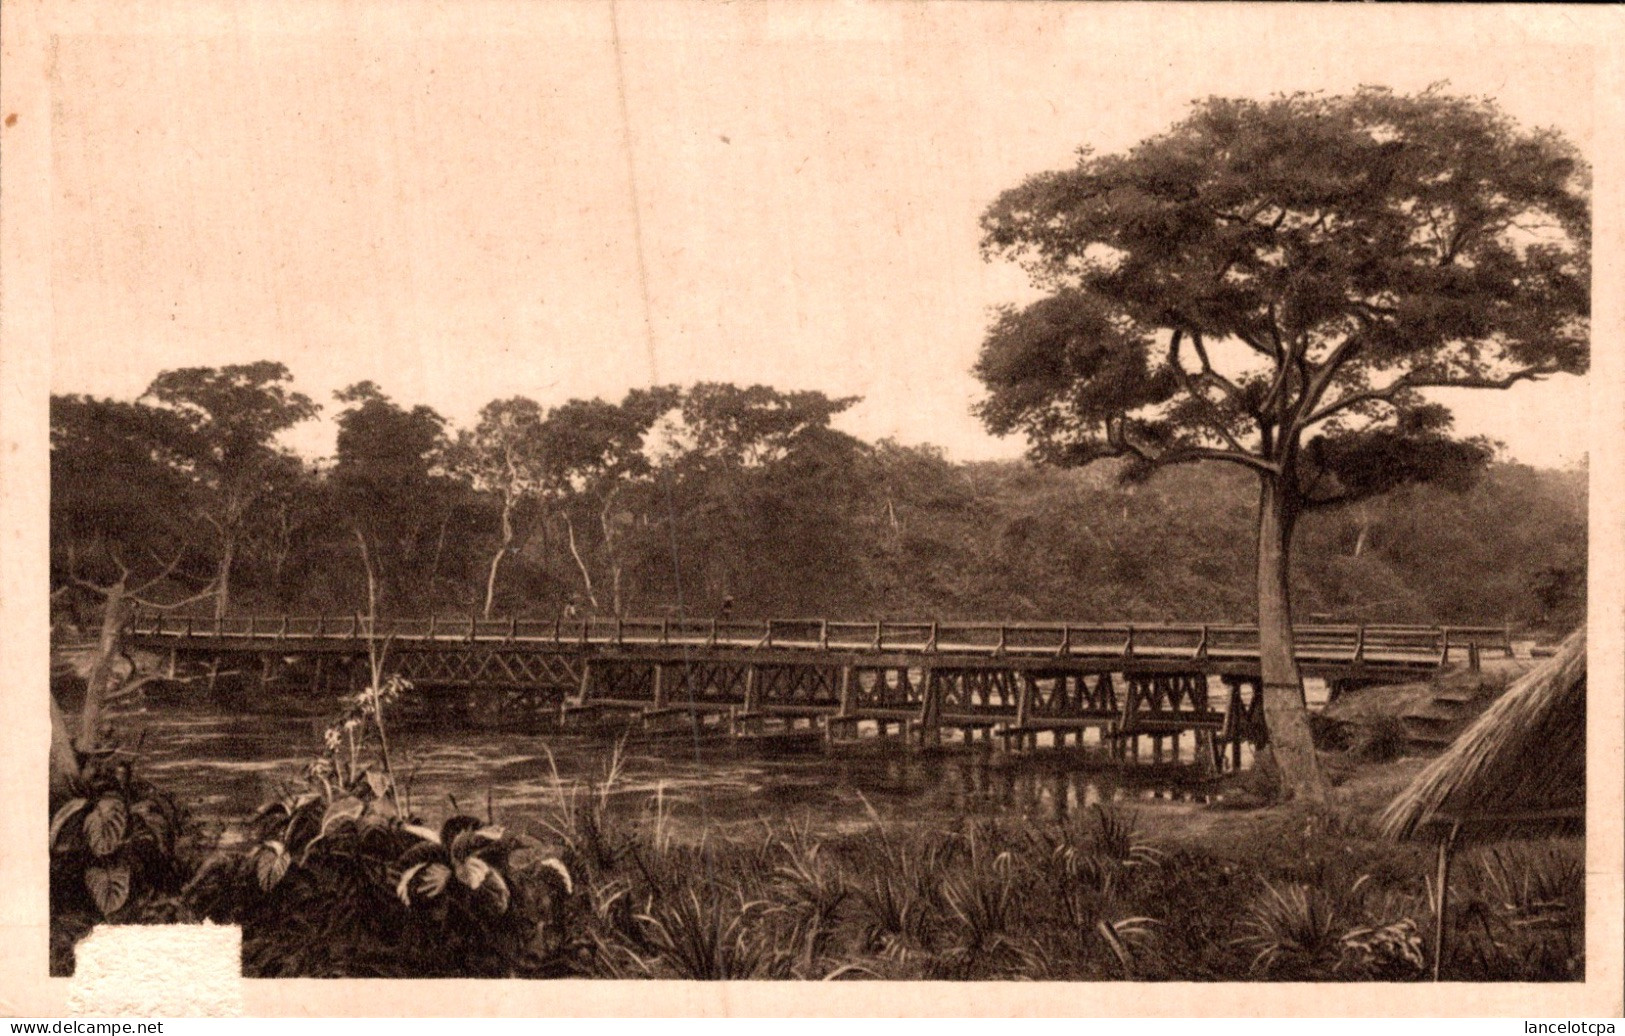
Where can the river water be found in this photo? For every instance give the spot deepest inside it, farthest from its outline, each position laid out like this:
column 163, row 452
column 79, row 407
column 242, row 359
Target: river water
column 225, row 762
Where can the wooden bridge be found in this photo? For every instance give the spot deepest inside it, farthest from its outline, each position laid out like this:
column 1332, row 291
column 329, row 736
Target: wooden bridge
column 914, row 681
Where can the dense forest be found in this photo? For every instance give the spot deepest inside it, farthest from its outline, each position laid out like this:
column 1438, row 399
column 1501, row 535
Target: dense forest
column 678, row 500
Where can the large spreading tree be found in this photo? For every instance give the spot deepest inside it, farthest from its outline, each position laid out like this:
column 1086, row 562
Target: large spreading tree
column 1278, row 285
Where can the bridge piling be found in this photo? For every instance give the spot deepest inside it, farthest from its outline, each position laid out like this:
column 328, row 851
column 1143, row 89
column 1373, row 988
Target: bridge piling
column 930, row 708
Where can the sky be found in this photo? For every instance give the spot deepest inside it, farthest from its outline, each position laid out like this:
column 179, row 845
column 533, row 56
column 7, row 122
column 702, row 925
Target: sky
column 449, row 202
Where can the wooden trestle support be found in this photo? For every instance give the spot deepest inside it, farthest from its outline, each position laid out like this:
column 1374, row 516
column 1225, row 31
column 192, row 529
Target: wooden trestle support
column 842, row 700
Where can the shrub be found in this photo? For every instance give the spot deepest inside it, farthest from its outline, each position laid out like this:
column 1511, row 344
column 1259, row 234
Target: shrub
column 1381, row 740
column 116, row 843
column 369, row 894
column 339, row 879
column 1292, row 932
column 702, row 931
column 1520, row 915
column 121, row 850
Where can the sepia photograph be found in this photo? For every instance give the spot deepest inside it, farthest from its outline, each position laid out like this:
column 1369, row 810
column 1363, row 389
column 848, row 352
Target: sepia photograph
column 780, row 493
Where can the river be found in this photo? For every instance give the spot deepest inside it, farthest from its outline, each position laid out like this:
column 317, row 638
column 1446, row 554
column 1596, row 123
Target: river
column 223, row 763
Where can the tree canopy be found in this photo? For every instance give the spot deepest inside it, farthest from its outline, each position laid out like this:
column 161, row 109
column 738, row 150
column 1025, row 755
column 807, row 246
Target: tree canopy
column 119, row 494
column 836, row 527
column 1264, row 270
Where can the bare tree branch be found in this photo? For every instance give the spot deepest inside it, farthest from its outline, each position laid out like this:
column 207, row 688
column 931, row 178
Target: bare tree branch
column 1189, row 384
column 1186, row 454
column 1309, row 503
column 1275, row 331
column 161, row 576
column 1118, row 439
column 1324, row 373
column 1277, row 388
column 1209, row 373
column 118, row 559
column 1251, row 341
column 128, row 688
column 170, row 606
column 93, row 587
column 1410, row 381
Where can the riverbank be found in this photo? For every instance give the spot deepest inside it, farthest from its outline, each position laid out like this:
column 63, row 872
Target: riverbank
column 578, row 886
column 1180, row 892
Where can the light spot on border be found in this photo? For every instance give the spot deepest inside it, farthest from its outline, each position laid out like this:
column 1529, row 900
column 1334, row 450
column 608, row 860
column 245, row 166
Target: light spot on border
column 159, row 971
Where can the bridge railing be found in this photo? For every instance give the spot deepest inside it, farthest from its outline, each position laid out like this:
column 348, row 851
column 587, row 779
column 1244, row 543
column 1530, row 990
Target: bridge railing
column 1342, row 642
column 1498, row 638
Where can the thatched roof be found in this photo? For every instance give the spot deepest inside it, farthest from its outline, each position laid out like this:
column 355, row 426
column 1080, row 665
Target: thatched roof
column 1519, row 771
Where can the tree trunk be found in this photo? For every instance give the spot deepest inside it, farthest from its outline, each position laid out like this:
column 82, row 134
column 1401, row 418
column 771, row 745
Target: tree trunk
column 98, row 684
column 1285, row 710
column 279, row 555
column 222, row 593
column 64, row 763
column 430, row 589
column 581, row 565
column 491, row 581
column 372, row 577
column 610, row 557
column 496, row 559
column 1363, row 513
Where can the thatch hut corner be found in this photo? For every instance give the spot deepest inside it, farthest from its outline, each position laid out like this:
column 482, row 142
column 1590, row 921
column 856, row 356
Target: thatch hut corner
column 1519, row 771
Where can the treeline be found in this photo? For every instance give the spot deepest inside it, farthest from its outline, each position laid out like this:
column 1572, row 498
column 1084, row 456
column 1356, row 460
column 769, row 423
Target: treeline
column 692, row 499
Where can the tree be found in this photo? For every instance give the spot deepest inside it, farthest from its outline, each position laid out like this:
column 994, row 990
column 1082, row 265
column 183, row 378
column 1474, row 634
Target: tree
column 750, row 475
column 778, row 537
column 119, row 494
column 505, row 454
column 598, row 452
column 118, row 540
column 686, row 470
column 753, row 425
column 397, row 501
column 1275, row 285
column 292, row 515
column 231, row 417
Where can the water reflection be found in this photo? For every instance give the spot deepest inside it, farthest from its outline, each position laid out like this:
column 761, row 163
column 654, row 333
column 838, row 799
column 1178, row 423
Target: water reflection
column 225, row 765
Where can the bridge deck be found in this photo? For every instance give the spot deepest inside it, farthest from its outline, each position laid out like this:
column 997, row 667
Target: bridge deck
column 1322, row 647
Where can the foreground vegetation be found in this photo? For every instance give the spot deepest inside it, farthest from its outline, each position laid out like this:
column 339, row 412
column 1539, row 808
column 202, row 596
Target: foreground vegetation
column 342, row 878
